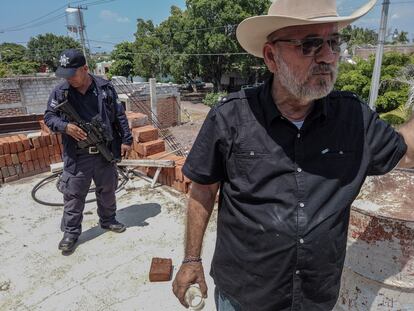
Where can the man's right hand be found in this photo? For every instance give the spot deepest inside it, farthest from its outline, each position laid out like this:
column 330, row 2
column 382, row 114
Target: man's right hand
column 75, row 131
column 189, row 273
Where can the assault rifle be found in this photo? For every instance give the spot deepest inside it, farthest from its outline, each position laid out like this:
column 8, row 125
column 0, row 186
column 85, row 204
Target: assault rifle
column 96, row 131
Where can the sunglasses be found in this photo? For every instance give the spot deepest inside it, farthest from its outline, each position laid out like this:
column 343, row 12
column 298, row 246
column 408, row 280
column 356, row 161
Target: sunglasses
column 313, row 45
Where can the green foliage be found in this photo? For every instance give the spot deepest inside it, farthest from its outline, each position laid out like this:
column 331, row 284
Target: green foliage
column 204, row 27
column 45, row 49
column 123, row 58
column 393, row 94
column 213, row 98
column 14, row 60
column 391, row 100
column 4, row 70
column 392, row 119
column 12, row 52
column 23, row 67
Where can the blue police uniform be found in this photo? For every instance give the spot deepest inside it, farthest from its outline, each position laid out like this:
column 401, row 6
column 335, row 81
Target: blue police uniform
column 81, row 167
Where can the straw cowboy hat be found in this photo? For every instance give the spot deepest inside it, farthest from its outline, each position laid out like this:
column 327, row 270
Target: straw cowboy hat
column 253, row 31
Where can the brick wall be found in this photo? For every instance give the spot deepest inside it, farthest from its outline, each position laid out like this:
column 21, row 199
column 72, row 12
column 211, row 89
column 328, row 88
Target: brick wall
column 168, row 111
column 366, row 52
column 8, row 112
column 9, row 96
column 26, row 94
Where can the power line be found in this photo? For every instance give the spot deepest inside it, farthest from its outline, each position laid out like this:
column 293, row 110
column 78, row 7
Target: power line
column 39, row 22
column 41, row 17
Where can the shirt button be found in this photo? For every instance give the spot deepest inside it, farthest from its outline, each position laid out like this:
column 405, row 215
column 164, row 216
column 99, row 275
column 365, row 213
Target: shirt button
column 297, row 272
column 301, row 204
column 299, row 169
column 301, row 241
column 298, row 136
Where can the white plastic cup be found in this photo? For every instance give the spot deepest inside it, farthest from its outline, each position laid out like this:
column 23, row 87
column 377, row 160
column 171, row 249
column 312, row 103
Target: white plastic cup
column 194, row 298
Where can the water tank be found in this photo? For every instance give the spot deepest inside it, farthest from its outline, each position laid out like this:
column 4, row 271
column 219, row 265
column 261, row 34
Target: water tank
column 73, row 19
column 379, row 267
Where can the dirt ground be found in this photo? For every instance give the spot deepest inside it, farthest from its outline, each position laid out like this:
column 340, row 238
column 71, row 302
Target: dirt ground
column 192, row 116
column 107, row 271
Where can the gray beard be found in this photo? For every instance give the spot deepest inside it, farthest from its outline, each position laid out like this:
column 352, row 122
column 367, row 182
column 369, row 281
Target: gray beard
column 300, row 89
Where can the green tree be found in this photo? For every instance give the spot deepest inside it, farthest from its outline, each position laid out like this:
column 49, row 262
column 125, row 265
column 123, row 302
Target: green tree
column 146, row 50
column 45, row 49
column 197, row 42
column 12, row 52
column 123, row 57
column 393, row 92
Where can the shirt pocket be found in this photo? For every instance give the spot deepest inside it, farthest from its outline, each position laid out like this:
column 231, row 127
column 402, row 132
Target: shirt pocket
column 338, row 164
column 249, row 166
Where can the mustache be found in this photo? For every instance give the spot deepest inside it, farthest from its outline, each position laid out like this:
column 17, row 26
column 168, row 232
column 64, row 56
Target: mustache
column 323, row 69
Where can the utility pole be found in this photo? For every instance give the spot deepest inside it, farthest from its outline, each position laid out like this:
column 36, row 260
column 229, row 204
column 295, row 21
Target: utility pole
column 81, row 28
column 373, row 94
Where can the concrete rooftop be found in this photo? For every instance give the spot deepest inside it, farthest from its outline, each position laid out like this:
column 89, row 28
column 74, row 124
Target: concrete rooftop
column 107, row 271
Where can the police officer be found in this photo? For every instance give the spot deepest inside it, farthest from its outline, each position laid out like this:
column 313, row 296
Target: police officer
column 90, row 96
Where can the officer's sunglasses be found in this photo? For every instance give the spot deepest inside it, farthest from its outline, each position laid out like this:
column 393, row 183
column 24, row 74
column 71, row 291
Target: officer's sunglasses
column 313, row 45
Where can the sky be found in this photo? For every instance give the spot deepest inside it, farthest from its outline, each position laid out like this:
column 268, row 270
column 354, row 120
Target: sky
column 109, row 22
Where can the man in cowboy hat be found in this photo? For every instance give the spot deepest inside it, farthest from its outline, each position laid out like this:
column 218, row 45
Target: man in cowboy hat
column 289, row 158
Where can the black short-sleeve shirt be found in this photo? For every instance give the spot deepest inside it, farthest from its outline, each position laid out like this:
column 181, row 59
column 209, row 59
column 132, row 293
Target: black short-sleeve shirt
column 286, row 193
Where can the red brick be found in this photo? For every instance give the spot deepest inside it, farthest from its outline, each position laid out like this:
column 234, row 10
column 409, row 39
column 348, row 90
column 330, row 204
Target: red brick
column 21, row 157
column 12, row 145
column 161, row 270
column 178, row 173
column 36, row 142
column 18, row 142
column 33, row 154
column 52, row 159
column 1, row 148
column 58, row 158
column 30, row 166
column 53, row 139
column 6, row 146
column 2, row 161
column 36, row 165
column 27, row 155
column 42, row 141
column 8, row 159
column 39, row 153
column 56, row 149
column 51, row 150
column 47, row 140
column 152, row 147
column 45, row 152
column 25, row 141
column 61, row 148
column 59, row 137
column 136, row 119
column 42, row 163
column 145, row 133
column 47, row 162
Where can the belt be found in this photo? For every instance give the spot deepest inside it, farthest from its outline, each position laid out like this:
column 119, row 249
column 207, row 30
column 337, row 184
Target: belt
column 89, row 150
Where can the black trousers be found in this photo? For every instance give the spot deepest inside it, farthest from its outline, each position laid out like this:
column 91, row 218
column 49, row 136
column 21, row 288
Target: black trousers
column 75, row 188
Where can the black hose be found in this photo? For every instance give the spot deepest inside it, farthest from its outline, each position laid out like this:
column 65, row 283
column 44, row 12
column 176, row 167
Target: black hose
column 54, row 176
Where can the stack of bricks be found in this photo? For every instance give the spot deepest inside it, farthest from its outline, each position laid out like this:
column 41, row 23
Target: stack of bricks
column 147, row 144
column 21, row 156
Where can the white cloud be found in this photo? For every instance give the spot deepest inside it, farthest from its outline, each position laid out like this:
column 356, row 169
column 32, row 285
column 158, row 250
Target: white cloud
column 395, row 16
column 110, row 16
